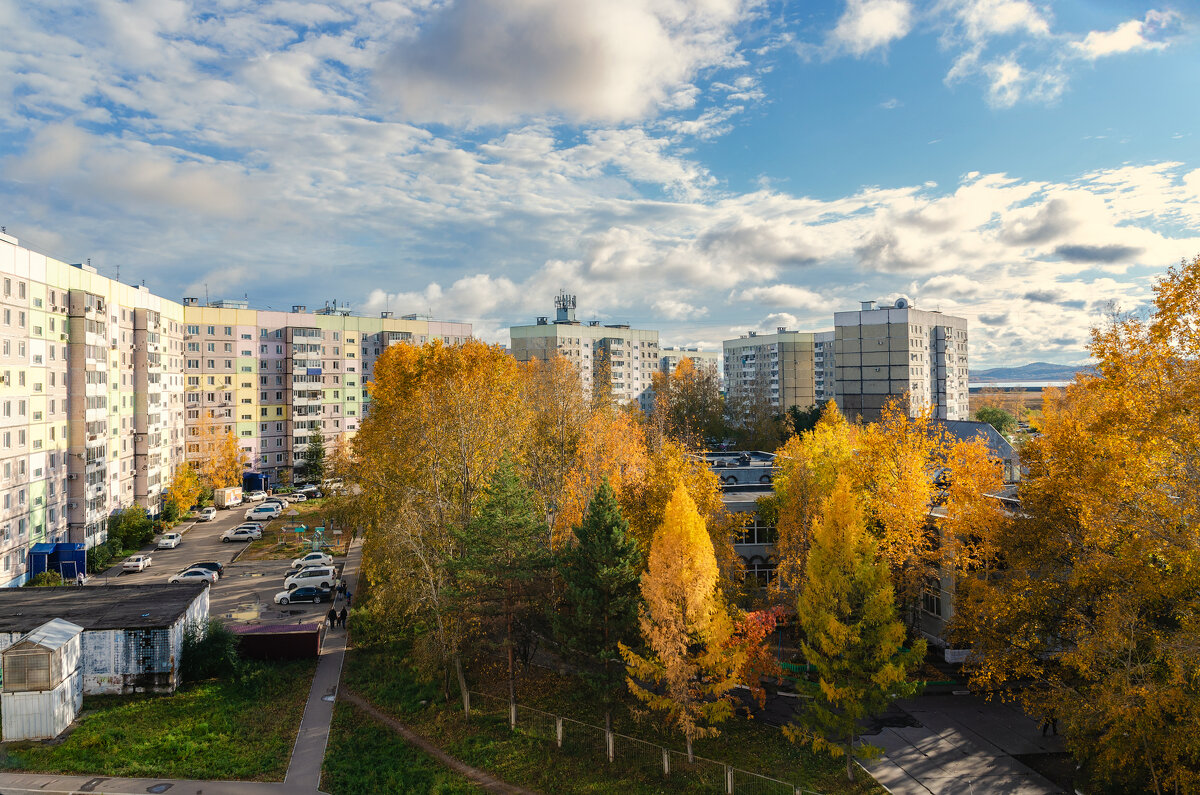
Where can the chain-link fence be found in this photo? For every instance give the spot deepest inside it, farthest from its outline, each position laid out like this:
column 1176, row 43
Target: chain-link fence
column 630, row 757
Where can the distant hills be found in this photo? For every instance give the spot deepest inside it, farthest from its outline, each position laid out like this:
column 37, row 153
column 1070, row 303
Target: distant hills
column 1035, row 371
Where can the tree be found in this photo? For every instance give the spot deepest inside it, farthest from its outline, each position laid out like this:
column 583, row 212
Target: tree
column 222, row 459
column 600, row 597
column 442, row 418
column 131, row 528
column 754, row 421
column 690, row 665
column 314, row 455
column 998, row 418
column 852, row 636
column 340, row 463
column 803, row 420
column 558, row 413
column 1092, row 591
column 184, row 489
column 688, row 404
column 505, row 562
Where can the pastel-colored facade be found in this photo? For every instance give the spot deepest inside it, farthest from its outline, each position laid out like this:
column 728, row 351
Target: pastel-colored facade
column 629, row 356
column 273, row 378
column 901, row 352
column 824, row 366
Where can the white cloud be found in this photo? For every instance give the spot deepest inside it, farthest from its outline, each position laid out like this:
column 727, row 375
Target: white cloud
column 1129, row 36
column 868, row 25
column 788, row 296
column 490, row 61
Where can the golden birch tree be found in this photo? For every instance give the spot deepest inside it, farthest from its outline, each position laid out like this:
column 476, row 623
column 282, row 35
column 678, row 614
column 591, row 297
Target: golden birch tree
column 1093, row 589
column 221, row 459
column 685, row 627
column 558, row 414
column 184, row 489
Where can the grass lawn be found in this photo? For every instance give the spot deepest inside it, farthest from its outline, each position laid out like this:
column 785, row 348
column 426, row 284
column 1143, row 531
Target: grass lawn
column 365, row 757
column 208, row 730
column 279, row 542
column 381, row 674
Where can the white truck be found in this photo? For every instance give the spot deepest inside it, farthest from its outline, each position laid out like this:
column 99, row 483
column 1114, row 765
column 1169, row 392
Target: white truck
column 227, row 497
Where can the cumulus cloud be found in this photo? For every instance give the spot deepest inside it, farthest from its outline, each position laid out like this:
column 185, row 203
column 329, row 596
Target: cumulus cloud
column 869, row 25
column 788, row 296
column 489, row 61
column 1134, row 34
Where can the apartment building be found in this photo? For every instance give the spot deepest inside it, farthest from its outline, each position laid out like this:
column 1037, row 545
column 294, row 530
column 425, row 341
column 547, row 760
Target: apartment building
column 629, row 357
column 824, row 373
column 896, row 351
column 777, row 366
column 708, row 361
column 78, row 351
column 272, row 378
column 104, row 385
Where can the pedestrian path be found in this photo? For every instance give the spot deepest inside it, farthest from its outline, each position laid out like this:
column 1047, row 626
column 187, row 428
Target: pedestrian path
column 304, row 770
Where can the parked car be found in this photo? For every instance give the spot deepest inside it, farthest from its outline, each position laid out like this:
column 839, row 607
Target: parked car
column 194, row 575
column 211, row 565
column 169, row 540
column 307, row 488
column 254, row 496
column 206, row 514
column 136, row 563
column 259, row 526
column 312, row 559
column 279, row 501
column 241, row 534
column 263, row 512
column 307, row 593
column 323, row 576
column 297, row 497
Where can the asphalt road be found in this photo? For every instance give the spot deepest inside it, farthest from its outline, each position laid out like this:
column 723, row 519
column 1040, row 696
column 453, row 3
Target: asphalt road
column 244, row 594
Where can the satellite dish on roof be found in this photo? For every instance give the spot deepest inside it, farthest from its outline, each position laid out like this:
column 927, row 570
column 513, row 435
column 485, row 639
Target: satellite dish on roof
column 903, row 303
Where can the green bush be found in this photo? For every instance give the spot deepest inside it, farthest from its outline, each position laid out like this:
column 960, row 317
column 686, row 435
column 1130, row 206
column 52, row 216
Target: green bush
column 131, row 528
column 210, row 650
column 45, row 579
column 100, row 557
column 170, row 512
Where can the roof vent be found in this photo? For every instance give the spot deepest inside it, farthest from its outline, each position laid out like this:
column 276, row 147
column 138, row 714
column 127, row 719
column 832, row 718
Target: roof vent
column 867, row 306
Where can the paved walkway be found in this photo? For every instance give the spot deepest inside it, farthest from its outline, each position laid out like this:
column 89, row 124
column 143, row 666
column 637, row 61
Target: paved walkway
column 961, row 744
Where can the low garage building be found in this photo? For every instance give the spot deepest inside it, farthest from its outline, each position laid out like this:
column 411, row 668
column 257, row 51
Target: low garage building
column 132, row 640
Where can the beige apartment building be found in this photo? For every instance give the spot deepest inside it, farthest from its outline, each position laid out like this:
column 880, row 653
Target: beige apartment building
column 893, row 351
column 707, row 361
column 779, row 367
column 630, row 355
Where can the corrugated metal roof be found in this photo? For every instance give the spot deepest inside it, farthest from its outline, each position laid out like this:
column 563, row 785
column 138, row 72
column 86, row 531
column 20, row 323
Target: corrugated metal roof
column 53, row 635
column 97, row 606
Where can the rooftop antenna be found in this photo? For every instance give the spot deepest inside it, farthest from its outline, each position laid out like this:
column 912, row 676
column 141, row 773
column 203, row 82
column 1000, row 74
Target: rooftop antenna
column 206, row 293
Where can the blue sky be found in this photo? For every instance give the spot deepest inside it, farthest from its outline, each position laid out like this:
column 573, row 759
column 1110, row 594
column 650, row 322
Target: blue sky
column 704, row 167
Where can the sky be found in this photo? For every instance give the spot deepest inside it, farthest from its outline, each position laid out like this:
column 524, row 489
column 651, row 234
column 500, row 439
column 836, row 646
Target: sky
column 703, row 167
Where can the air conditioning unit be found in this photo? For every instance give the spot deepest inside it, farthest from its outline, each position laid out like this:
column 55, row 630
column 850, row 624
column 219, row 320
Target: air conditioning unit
column 72, row 476
column 72, row 504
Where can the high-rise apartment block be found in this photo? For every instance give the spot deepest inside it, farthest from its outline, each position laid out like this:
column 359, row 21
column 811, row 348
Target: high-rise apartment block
column 629, row 357
column 106, row 388
column 893, row 351
column 706, row 361
column 778, row 367
column 274, row 378
column 824, row 372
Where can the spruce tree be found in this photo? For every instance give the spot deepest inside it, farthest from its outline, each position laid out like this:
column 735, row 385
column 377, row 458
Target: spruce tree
column 314, row 457
column 853, row 637
column 505, row 564
column 600, row 598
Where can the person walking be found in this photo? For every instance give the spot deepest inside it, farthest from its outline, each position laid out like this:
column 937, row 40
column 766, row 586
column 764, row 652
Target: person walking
column 332, row 618
column 349, row 597
column 342, row 617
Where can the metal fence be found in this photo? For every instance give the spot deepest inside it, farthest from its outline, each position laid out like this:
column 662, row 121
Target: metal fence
column 629, row 757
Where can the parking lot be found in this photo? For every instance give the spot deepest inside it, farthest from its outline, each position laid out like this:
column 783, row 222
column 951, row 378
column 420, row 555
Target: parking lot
column 245, row 591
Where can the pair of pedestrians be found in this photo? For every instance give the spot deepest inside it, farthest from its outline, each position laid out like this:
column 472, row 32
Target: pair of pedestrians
column 336, row 619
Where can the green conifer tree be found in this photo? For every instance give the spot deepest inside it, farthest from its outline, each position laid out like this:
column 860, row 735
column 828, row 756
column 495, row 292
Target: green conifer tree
column 600, row 598
column 504, row 568
column 853, row 637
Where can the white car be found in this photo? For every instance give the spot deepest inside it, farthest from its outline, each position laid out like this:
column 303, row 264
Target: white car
column 136, row 563
column 194, row 575
column 312, row 559
column 241, row 534
column 279, row 502
column 297, row 497
column 169, row 540
column 254, row 496
column 323, row 576
column 263, row 512
column 206, row 514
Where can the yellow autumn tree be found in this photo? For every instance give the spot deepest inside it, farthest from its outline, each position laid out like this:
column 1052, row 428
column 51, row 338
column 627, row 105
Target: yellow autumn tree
column 558, row 414
column 685, row 627
column 442, row 419
column 688, row 405
column 221, row 459
column 808, row 467
column 184, row 489
column 1092, row 591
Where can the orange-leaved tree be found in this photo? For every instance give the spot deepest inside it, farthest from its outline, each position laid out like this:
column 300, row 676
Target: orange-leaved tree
column 689, row 665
